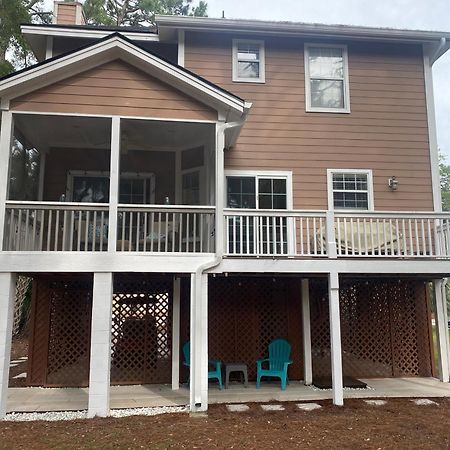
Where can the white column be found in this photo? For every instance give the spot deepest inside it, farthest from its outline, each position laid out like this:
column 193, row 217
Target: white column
column 100, row 366
column 306, row 317
column 42, row 163
column 114, row 183
column 331, row 235
column 176, row 334
column 442, row 329
column 335, row 335
column 6, row 128
column 181, row 48
column 7, row 297
column 199, row 343
column 220, row 187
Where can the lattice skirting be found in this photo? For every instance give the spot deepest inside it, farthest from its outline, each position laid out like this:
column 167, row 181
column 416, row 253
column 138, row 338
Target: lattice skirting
column 385, row 326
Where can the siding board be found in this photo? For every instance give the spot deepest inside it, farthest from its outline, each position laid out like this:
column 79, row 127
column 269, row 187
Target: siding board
column 386, row 131
column 135, row 94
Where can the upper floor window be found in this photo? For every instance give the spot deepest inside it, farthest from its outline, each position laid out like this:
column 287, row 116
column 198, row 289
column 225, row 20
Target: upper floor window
column 326, row 78
column 248, row 61
column 350, row 189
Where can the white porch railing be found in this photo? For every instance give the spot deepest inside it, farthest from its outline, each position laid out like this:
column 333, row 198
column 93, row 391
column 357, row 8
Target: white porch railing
column 53, row 226
column 169, row 229
column 297, row 233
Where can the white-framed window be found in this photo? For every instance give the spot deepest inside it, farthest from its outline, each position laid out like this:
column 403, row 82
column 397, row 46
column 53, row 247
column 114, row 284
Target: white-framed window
column 326, row 78
column 350, row 189
column 264, row 234
column 248, row 61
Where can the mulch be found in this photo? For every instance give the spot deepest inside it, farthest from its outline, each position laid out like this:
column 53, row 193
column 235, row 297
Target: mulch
column 398, row 425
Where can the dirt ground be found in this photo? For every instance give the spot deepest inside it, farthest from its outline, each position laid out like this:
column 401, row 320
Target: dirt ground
column 400, row 424
column 19, row 349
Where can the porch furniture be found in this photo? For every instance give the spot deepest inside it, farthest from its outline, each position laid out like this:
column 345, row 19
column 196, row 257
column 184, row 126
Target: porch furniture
column 215, row 374
column 236, row 367
column 278, row 361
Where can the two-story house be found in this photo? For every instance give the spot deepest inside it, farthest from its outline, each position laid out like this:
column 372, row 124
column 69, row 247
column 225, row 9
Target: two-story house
column 223, row 182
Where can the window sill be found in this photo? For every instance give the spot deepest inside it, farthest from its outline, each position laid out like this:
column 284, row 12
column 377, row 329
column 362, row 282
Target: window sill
column 327, row 110
column 249, row 80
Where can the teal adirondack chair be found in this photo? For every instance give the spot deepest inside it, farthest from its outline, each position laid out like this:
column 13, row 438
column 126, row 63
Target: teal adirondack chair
column 279, row 353
column 215, row 374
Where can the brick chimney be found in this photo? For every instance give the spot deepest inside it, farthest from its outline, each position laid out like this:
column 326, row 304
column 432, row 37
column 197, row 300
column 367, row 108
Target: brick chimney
column 68, row 13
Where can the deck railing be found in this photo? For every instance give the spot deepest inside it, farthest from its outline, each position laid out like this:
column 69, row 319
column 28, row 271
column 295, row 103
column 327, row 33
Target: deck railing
column 53, row 226
column 272, row 233
column 168, row 229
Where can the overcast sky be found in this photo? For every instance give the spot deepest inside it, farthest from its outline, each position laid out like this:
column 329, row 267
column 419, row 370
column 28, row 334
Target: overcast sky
column 412, row 14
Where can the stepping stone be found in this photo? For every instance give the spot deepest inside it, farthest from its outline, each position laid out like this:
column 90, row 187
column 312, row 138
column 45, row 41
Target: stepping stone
column 23, row 358
column 424, row 402
column 375, row 402
column 13, row 365
column 272, row 407
column 21, row 375
column 16, row 361
column 237, row 408
column 308, row 406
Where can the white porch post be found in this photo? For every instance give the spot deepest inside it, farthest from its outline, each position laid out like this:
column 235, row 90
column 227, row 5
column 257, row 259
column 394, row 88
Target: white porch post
column 335, row 334
column 199, row 343
column 442, row 329
column 6, row 129
column 220, row 187
column 99, row 374
column 7, row 298
column 306, row 318
column 176, row 334
column 114, row 183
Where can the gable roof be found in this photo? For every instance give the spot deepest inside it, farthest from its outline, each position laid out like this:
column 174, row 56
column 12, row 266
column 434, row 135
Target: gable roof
column 116, row 46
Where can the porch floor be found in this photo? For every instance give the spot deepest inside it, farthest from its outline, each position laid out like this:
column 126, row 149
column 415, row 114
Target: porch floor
column 73, row 399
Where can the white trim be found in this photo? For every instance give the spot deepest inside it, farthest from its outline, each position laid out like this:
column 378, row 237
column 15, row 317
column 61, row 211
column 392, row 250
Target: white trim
column 335, row 339
column 7, row 299
column 371, row 201
column 220, row 189
column 262, row 61
column 111, row 49
column 176, row 333
column 181, row 44
column 100, row 358
column 346, row 84
column 306, row 320
column 49, row 47
column 42, row 162
column 84, row 33
column 432, row 133
column 442, row 329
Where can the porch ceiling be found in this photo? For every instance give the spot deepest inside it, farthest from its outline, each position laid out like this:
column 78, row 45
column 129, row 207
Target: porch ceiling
column 46, row 132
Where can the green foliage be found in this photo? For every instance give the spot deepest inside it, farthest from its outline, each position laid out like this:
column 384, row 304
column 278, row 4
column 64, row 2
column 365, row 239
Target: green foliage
column 138, row 12
column 445, row 183
column 14, row 50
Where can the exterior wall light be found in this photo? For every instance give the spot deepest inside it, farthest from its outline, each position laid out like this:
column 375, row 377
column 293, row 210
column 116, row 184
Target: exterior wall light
column 393, row 183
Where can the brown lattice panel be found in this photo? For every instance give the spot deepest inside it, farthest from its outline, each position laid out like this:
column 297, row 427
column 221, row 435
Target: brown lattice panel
column 141, row 344
column 384, row 327
column 69, row 332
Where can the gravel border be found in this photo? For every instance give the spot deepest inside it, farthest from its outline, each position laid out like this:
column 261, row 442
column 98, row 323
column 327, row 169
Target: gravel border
column 76, row 415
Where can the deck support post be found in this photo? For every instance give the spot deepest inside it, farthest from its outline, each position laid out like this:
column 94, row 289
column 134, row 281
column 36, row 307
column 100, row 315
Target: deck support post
column 306, row 318
column 100, row 364
column 335, row 334
column 176, row 334
column 442, row 329
column 114, row 180
column 7, row 298
column 198, row 398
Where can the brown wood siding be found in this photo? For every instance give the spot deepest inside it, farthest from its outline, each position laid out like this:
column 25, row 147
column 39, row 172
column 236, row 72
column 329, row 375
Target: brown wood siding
column 67, row 14
column 114, row 88
column 386, row 130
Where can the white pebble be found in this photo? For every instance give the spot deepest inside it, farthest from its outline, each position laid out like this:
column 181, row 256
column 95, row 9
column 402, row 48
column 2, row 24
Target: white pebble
column 237, row 408
column 424, row 402
column 272, row 407
column 308, row 406
column 375, row 402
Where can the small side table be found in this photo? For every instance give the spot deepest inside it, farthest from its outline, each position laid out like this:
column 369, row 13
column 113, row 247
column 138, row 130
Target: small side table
column 235, row 367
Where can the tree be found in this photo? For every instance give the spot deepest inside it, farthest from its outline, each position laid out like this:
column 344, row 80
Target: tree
column 14, row 51
column 445, row 182
column 138, row 12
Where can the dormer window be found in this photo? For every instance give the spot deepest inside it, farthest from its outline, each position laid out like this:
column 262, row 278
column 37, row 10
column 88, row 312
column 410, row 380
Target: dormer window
column 248, row 61
column 326, row 78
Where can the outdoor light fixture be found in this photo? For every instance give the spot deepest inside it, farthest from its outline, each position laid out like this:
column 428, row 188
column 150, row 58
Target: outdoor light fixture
column 393, row 183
